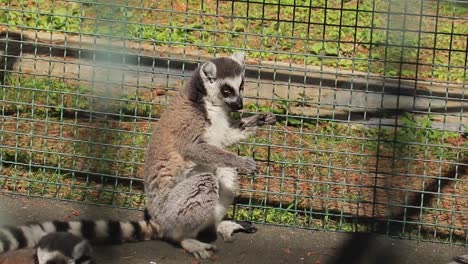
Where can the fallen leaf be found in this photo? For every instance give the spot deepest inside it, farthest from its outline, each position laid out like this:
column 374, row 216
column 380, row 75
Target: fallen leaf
column 215, row 258
column 160, row 92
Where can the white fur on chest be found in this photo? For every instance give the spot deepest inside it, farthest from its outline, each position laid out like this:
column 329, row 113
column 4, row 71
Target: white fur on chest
column 217, row 131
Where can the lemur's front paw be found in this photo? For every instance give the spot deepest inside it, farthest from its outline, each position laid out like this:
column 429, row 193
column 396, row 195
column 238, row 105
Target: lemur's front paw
column 257, row 120
column 248, row 164
column 266, row 119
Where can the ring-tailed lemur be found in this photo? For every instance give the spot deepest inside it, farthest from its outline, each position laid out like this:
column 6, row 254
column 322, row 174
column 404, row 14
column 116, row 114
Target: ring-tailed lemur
column 190, row 179
column 63, row 248
column 57, row 240
column 54, row 248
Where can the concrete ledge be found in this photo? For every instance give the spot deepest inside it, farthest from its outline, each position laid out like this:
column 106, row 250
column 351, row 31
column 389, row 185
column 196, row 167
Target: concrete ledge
column 270, row 244
column 129, row 51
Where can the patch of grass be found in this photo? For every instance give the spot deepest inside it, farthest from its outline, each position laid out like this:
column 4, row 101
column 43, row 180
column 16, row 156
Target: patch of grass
column 53, row 97
column 43, row 97
column 352, row 38
column 65, row 186
column 108, row 148
column 452, row 9
column 415, row 136
column 291, row 217
column 50, row 123
column 42, row 14
column 269, row 215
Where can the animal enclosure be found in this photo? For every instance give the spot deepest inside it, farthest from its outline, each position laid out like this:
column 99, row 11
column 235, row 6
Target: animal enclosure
column 371, row 98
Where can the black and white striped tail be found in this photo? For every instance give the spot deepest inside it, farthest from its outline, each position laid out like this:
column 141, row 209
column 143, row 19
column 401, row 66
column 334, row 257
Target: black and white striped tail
column 26, row 236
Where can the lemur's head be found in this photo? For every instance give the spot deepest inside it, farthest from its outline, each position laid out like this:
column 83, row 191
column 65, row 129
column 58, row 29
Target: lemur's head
column 63, row 248
column 223, row 80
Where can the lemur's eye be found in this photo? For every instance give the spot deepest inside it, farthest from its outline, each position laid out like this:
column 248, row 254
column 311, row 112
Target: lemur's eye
column 226, row 91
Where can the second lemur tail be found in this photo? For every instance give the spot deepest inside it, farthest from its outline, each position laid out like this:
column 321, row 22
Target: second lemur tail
column 111, row 231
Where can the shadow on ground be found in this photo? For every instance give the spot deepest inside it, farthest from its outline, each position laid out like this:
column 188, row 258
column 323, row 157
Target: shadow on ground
column 270, row 244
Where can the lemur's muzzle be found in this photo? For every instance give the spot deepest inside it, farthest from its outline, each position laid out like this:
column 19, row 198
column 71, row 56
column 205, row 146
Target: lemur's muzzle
column 236, row 104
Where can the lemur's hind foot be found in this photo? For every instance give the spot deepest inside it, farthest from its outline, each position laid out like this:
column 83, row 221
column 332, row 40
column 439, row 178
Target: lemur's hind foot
column 227, row 228
column 199, row 249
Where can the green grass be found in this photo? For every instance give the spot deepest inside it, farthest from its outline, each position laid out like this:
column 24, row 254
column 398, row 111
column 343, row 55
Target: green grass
column 66, row 186
column 52, row 97
column 415, row 136
column 361, row 43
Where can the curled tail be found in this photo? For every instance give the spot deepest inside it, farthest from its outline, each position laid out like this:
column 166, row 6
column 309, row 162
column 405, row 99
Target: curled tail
column 111, row 231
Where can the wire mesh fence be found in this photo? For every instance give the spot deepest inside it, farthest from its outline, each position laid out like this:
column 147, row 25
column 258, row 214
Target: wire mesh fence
column 369, row 94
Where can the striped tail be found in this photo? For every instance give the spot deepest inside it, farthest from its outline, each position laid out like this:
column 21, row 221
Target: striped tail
column 111, row 231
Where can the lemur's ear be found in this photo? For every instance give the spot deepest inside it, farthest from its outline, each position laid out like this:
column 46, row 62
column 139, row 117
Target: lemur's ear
column 208, row 71
column 239, row 57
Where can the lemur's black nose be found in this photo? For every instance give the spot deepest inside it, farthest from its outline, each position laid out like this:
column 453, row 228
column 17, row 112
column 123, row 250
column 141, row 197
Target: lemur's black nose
column 238, row 105
column 235, row 105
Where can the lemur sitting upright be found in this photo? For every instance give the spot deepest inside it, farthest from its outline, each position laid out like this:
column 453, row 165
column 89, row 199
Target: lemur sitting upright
column 190, row 179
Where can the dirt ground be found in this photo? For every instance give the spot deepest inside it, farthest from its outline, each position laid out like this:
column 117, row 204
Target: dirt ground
column 270, row 244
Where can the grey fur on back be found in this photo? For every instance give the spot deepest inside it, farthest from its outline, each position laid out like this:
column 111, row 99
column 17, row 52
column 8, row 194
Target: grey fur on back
column 63, row 242
column 63, row 247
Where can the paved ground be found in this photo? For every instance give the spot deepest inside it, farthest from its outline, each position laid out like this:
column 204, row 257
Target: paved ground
column 269, row 245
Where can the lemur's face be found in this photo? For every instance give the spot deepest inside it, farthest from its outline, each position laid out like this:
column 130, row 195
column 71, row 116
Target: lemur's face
column 44, row 256
column 223, row 79
column 231, row 93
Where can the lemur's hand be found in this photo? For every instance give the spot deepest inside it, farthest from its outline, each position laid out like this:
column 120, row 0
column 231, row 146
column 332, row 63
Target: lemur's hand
column 257, row 120
column 266, row 119
column 249, row 164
